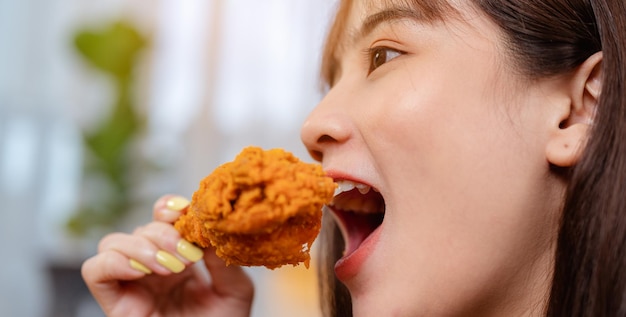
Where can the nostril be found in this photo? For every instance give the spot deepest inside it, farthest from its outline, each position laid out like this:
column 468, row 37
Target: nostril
column 325, row 139
column 316, row 155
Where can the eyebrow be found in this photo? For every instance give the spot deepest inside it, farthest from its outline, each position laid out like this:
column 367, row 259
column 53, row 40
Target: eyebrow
column 385, row 16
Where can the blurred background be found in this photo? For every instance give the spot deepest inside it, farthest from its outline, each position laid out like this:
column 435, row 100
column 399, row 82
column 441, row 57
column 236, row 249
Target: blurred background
column 106, row 105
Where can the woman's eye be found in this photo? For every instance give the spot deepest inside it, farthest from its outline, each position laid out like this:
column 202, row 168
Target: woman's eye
column 381, row 55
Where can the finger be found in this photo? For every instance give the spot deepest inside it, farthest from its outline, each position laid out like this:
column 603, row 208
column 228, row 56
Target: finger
column 103, row 272
column 168, row 239
column 139, row 251
column 109, row 266
column 169, row 207
column 228, row 281
column 105, row 275
column 156, row 246
column 107, row 278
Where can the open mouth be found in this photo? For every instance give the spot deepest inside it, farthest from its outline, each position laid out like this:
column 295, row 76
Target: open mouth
column 358, row 209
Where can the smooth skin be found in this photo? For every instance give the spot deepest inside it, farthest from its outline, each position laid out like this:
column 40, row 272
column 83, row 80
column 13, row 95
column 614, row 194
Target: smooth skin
column 124, row 291
column 463, row 148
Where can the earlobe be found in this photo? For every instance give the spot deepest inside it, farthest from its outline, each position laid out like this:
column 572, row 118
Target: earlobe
column 568, row 140
column 564, row 148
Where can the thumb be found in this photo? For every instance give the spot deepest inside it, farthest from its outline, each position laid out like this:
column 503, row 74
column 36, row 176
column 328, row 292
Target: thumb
column 228, row 280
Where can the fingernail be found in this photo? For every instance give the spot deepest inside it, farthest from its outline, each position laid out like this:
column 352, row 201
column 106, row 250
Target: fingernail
column 139, row 267
column 170, row 262
column 189, row 251
column 177, row 203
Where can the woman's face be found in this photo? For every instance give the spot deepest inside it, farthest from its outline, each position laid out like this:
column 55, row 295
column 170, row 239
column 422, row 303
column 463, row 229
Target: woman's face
column 430, row 115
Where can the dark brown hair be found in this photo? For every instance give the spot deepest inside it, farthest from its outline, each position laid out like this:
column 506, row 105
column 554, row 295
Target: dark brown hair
column 550, row 37
column 546, row 38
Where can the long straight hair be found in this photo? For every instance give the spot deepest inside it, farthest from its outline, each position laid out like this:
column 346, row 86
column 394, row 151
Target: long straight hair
column 550, row 37
column 546, row 38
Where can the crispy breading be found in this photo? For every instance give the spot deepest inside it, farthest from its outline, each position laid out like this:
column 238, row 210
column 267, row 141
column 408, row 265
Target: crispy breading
column 263, row 208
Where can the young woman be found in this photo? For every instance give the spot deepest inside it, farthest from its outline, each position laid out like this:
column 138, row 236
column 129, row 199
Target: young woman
column 490, row 134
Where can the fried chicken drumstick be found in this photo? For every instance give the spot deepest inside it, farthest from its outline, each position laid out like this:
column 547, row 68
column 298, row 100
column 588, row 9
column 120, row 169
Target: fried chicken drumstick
column 263, row 208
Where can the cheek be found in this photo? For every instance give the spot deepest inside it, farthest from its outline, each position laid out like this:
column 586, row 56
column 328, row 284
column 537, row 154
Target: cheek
column 459, row 163
column 466, row 187
column 432, row 100
column 448, row 119
column 438, row 126
column 458, row 149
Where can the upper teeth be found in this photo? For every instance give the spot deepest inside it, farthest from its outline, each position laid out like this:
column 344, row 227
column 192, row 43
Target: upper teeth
column 344, row 186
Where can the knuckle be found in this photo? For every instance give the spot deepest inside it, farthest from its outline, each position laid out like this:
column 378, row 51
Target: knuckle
column 107, row 241
column 138, row 230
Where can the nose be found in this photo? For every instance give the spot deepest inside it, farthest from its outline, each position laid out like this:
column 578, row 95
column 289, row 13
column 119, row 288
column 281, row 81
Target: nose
column 326, row 127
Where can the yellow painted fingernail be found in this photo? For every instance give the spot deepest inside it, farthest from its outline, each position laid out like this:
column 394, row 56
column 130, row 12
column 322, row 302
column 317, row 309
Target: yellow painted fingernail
column 170, row 262
column 177, row 203
column 139, row 267
column 189, row 251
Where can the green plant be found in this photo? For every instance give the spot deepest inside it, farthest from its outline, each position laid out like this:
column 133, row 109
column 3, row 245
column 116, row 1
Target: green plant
column 115, row 51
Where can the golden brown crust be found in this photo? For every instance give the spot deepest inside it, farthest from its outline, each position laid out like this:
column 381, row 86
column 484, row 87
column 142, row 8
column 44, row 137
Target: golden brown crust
column 263, row 208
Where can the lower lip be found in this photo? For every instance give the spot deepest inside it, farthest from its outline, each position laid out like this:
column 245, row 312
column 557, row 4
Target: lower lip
column 348, row 266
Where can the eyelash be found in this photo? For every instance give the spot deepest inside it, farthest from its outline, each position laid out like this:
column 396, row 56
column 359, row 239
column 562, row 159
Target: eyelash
column 374, row 53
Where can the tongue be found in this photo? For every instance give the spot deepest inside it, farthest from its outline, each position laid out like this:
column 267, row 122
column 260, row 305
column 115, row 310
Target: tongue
column 357, row 227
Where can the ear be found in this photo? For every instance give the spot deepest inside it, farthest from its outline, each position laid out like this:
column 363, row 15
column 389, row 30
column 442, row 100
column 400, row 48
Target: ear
column 567, row 142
